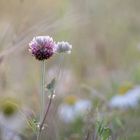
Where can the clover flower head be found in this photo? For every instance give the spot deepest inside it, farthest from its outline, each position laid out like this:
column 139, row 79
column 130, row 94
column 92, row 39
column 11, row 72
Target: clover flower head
column 63, row 47
column 42, row 47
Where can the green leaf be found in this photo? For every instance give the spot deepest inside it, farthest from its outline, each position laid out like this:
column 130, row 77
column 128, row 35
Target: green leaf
column 100, row 128
column 119, row 122
column 33, row 124
column 106, row 133
column 51, row 85
column 103, row 132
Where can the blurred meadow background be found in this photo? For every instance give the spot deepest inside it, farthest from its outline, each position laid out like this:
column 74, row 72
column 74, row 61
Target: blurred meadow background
column 104, row 63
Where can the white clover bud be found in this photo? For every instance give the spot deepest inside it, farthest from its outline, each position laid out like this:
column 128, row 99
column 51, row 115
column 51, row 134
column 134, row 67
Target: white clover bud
column 63, row 47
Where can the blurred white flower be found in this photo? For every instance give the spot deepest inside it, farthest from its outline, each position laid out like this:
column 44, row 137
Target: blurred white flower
column 69, row 112
column 66, row 113
column 82, row 106
column 129, row 100
column 12, row 121
column 7, row 135
column 63, row 47
column 12, row 126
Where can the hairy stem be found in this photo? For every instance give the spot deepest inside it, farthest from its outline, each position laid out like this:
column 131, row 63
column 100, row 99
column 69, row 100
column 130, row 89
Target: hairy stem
column 42, row 91
column 44, row 113
column 42, row 96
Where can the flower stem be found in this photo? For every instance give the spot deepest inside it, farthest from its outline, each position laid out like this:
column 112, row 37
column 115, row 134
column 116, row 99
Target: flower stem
column 42, row 90
column 44, row 114
column 42, row 97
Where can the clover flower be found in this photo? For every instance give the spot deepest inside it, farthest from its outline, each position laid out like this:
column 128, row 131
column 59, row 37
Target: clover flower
column 42, row 47
column 63, row 47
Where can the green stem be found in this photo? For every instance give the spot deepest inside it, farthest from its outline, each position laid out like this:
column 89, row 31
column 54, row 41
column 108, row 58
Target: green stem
column 44, row 114
column 38, row 135
column 42, row 90
column 42, row 97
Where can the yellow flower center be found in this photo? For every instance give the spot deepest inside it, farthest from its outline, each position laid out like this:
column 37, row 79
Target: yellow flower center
column 71, row 100
column 9, row 107
column 124, row 88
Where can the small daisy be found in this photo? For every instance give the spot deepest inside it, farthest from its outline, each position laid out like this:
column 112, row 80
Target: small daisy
column 128, row 100
column 73, row 108
column 12, row 123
